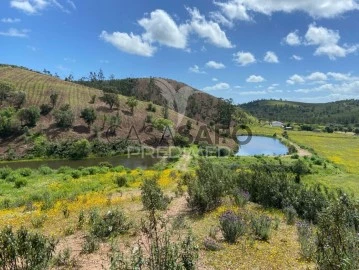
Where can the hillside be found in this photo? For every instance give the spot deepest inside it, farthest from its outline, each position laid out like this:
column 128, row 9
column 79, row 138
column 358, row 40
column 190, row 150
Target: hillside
column 38, row 88
column 345, row 112
column 178, row 96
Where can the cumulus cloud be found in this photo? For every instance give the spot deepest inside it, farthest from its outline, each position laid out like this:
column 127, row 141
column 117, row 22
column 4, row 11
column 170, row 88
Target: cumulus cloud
column 208, row 30
column 217, row 87
column 317, row 76
column 271, row 57
column 13, row 32
column 129, row 43
column 293, row 39
column 339, row 76
column 295, row 79
column 36, row 6
column 10, row 20
column 327, row 41
column 215, row 79
column 243, row 9
column 244, row 58
column 160, row 27
column 296, row 57
column 196, row 69
column 255, row 79
column 215, row 65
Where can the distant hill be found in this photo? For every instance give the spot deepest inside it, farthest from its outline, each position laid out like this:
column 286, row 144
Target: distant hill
column 345, row 112
column 38, row 88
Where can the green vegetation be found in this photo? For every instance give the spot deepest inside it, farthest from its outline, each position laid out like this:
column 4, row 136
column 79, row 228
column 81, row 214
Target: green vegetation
column 344, row 112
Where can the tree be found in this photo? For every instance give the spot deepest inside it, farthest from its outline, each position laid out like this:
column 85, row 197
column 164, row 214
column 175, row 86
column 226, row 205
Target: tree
column 54, row 96
column 132, row 103
column 64, row 117
column 165, row 111
column 5, row 90
column 89, row 116
column 356, row 131
column 161, row 123
column 111, row 99
column 29, row 116
column 18, row 99
column 80, row 149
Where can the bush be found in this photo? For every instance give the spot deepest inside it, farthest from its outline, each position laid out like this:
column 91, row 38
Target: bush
column 80, row 149
column 5, row 172
column 307, row 240
column 90, row 245
column 290, row 215
column 64, row 117
column 338, row 241
column 261, row 227
column 64, row 260
column 38, row 221
column 206, row 191
column 152, row 196
column 24, row 250
column 76, row 174
column 241, row 197
column 29, row 116
column 232, row 226
column 45, row 109
column 45, row 170
column 211, row 244
column 25, row 172
column 19, row 183
column 121, row 181
column 111, row 224
column 181, row 141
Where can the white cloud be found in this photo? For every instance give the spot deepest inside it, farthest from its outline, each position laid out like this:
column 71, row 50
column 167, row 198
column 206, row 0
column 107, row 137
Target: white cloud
column 162, row 28
column 219, row 18
column 339, row 76
column 297, row 58
column 196, row 69
column 293, row 39
column 234, row 10
column 215, row 65
column 215, row 79
column 255, row 79
column 218, row 86
column 36, row 6
column 327, row 41
column 13, row 32
column 244, row 58
column 208, row 30
column 295, row 79
column 317, row 76
column 10, row 20
column 241, row 9
column 129, row 43
column 271, row 57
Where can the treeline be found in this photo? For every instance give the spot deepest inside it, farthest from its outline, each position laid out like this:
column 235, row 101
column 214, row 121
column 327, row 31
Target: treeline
column 344, row 112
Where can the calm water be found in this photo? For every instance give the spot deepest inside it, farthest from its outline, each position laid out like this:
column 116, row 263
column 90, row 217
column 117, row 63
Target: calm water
column 260, row 145
column 132, row 162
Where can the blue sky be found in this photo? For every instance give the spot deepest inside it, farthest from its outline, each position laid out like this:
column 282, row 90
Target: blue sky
column 301, row 50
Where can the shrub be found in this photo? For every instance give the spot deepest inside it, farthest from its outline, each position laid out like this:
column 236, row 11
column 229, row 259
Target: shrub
column 81, row 220
column 307, row 240
column 111, row 224
column 232, row 226
column 80, row 149
column 19, row 183
column 76, row 174
column 24, row 250
column 241, row 197
column 45, row 109
column 63, row 259
column 261, row 227
column 211, row 244
column 5, row 172
column 290, row 215
column 45, row 170
column 338, row 241
column 181, row 141
column 64, row 117
column 206, row 191
column 12, row 178
column 25, row 172
column 90, row 245
column 152, row 196
column 29, row 116
column 121, row 181
column 38, row 221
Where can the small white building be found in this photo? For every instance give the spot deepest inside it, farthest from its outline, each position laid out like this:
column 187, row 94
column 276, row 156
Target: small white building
column 277, row 124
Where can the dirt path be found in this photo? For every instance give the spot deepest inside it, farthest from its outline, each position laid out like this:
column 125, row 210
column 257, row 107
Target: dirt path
column 300, row 151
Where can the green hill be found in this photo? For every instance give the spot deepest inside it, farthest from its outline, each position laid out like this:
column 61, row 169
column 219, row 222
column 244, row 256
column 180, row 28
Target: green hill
column 345, row 112
column 38, row 88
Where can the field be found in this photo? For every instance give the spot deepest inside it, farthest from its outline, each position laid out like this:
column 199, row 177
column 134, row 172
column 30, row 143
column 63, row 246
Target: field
column 42, row 203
